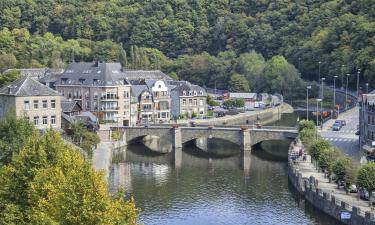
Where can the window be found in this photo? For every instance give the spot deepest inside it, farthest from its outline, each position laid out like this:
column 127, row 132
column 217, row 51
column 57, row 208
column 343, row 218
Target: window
column 64, row 80
column 195, row 93
column 36, row 120
column 96, row 81
column 26, row 105
column 195, row 101
column 201, row 93
column 184, row 93
column 183, row 102
column 44, row 104
column 190, row 93
column 81, row 81
column 45, row 120
column 53, row 104
column 190, row 102
column 36, row 104
column 200, row 102
column 53, row 120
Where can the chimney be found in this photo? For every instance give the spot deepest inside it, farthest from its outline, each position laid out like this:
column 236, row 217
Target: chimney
column 9, row 90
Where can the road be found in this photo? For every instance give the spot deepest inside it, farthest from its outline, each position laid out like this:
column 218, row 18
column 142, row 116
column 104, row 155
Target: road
column 345, row 139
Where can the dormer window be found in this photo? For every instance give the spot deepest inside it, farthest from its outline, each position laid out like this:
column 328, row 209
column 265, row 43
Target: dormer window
column 184, row 93
column 190, row 93
column 81, row 81
column 64, row 80
column 200, row 92
column 195, row 93
column 86, row 71
column 95, row 82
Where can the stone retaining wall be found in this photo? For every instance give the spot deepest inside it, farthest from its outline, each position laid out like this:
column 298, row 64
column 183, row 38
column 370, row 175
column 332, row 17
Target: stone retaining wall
column 325, row 201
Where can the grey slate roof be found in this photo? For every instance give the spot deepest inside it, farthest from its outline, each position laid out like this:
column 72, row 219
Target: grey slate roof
column 138, row 89
column 243, row 95
column 68, row 106
column 26, row 86
column 182, row 86
column 146, row 75
column 93, row 74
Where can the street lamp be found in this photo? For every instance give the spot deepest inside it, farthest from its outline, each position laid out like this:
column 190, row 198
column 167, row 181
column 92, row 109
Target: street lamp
column 307, row 102
column 319, row 71
column 317, row 110
column 346, row 91
column 358, row 72
column 366, row 88
column 334, row 94
column 321, row 104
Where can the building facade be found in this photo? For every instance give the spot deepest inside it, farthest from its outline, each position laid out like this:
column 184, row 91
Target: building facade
column 367, row 123
column 188, row 100
column 27, row 97
column 101, row 88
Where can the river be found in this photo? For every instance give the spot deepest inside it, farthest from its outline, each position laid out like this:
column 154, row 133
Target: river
column 220, row 186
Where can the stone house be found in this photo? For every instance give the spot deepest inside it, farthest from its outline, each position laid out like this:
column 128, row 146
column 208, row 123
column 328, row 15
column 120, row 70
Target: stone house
column 188, row 99
column 32, row 99
column 154, row 102
column 101, row 88
column 367, row 123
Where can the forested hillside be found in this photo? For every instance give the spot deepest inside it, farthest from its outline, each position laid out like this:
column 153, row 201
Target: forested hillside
column 215, row 38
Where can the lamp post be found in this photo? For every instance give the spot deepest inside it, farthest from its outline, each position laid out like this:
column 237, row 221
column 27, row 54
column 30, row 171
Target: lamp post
column 321, row 104
column 334, row 94
column 358, row 72
column 346, row 91
column 319, row 71
column 307, row 102
column 366, row 88
column 317, row 110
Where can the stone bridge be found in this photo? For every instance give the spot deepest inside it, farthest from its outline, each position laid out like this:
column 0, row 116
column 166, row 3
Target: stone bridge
column 177, row 136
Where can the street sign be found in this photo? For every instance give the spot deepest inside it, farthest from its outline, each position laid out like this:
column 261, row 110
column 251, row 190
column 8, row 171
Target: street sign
column 346, row 215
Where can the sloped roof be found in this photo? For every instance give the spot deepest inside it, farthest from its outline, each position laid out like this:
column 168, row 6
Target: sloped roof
column 243, row 95
column 93, row 74
column 146, row 75
column 182, row 86
column 138, row 89
column 26, row 86
column 68, row 106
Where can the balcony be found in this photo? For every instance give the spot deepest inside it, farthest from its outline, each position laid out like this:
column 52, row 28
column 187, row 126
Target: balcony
column 110, row 108
column 115, row 97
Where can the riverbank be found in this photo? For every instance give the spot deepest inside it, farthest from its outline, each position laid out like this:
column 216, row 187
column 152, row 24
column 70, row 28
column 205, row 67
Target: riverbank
column 317, row 190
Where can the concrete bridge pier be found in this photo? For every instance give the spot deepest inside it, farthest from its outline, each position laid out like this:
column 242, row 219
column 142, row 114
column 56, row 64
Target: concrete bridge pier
column 245, row 139
column 246, row 162
column 177, row 157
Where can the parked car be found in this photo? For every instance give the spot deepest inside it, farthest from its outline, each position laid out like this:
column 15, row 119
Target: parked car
column 357, row 132
column 353, row 188
column 363, row 194
column 336, row 127
column 343, row 122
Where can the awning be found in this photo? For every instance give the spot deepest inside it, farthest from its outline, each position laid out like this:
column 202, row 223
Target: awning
column 368, row 148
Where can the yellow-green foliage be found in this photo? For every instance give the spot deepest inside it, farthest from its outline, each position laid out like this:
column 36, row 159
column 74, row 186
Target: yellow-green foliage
column 49, row 182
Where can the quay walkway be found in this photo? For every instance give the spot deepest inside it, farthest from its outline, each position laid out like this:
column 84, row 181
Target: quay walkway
column 324, row 195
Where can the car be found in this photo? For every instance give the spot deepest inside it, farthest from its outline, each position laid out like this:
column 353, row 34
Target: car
column 357, row 132
column 336, row 127
column 343, row 122
column 353, row 188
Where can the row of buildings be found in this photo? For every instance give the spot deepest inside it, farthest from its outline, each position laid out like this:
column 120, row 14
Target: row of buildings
column 111, row 93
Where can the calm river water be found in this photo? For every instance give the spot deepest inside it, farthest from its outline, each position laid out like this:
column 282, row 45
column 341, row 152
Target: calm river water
column 220, row 186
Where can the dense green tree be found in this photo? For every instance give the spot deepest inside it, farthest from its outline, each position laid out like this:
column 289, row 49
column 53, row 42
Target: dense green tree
column 366, row 179
column 238, row 83
column 9, row 77
column 317, row 147
column 14, row 134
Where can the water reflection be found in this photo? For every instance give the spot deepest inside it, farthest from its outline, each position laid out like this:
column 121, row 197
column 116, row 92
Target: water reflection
column 209, row 188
